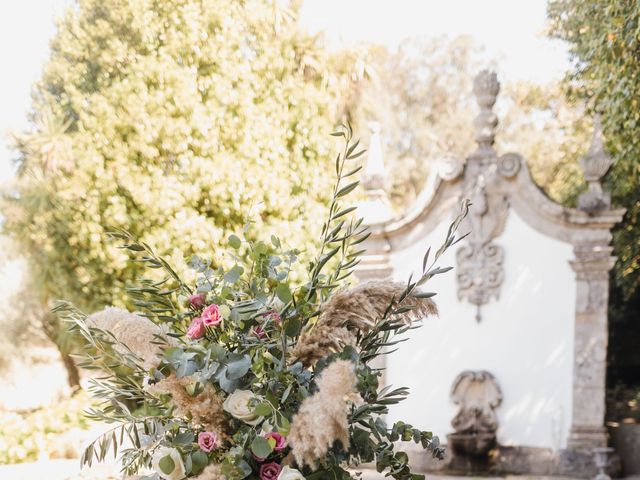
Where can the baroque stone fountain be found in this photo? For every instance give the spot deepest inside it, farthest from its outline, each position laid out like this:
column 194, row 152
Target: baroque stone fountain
column 478, row 395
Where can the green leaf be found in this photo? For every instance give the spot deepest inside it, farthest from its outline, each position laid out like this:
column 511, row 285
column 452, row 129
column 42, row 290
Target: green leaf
column 263, row 409
column 167, row 465
column 234, row 241
column 344, row 212
column 238, row 366
column 199, row 460
column 283, row 425
column 346, row 190
column 283, row 292
column 423, row 294
column 261, row 447
column 184, row 438
column 233, row 275
column 292, row 327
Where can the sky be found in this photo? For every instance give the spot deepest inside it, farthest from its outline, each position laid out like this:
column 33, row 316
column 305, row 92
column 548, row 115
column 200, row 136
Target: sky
column 510, row 30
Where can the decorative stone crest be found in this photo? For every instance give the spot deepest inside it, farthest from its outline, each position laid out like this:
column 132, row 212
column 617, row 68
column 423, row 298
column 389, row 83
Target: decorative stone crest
column 480, row 261
column 509, row 164
column 594, row 166
column 486, row 88
column 376, row 208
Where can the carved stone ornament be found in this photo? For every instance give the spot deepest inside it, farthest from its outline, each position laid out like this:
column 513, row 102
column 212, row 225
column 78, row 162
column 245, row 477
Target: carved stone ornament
column 450, row 167
column 509, row 164
column 594, row 166
column 480, row 261
column 480, row 271
column 478, row 395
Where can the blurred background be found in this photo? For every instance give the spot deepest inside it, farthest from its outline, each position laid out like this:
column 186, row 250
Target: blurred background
column 180, row 120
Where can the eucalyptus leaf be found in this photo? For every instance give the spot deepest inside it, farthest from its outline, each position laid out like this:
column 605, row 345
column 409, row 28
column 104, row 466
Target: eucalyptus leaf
column 283, row 292
column 167, row 465
column 260, row 447
column 234, row 241
column 237, row 366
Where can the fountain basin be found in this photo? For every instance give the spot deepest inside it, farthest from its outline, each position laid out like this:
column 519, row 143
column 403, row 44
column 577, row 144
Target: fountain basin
column 471, row 444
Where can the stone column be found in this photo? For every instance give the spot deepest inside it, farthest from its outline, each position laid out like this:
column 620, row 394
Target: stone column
column 592, row 265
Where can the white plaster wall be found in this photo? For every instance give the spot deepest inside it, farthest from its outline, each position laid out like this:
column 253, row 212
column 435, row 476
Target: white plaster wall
column 525, row 340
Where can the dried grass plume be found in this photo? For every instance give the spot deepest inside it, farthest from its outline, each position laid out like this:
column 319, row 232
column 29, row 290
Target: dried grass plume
column 138, row 333
column 355, row 309
column 211, row 472
column 205, row 408
column 322, row 417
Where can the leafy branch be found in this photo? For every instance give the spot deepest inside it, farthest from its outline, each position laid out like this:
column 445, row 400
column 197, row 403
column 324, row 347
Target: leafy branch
column 154, row 297
column 339, row 236
column 392, row 323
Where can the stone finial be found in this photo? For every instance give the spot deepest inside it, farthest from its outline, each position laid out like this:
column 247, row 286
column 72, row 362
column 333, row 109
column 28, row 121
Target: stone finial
column 376, row 208
column 594, row 166
column 486, row 88
column 374, row 171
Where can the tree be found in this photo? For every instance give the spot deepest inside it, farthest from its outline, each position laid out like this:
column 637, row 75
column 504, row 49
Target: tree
column 604, row 41
column 605, row 45
column 179, row 121
column 551, row 132
column 422, row 95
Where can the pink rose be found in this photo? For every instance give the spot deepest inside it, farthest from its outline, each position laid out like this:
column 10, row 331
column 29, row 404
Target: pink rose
column 274, row 316
column 270, row 471
column 197, row 300
column 207, row 441
column 196, row 329
column 211, row 316
column 277, row 441
column 258, row 331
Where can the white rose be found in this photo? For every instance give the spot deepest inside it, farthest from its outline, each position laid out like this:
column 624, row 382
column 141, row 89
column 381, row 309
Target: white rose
column 289, row 473
column 239, row 405
column 178, row 472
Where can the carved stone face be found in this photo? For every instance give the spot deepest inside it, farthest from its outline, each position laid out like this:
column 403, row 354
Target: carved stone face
column 477, row 394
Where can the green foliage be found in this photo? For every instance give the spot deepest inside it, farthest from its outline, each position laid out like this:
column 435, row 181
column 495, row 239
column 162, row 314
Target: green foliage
column 604, row 41
column 551, row 132
column 176, row 121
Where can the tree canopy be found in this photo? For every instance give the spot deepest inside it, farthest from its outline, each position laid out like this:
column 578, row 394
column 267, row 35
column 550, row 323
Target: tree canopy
column 179, row 121
column 422, row 95
column 604, row 39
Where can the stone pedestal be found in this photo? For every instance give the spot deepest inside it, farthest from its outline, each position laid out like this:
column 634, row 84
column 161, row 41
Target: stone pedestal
column 592, row 264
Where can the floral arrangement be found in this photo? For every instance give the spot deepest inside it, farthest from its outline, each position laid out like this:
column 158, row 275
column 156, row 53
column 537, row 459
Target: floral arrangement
column 244, row 374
